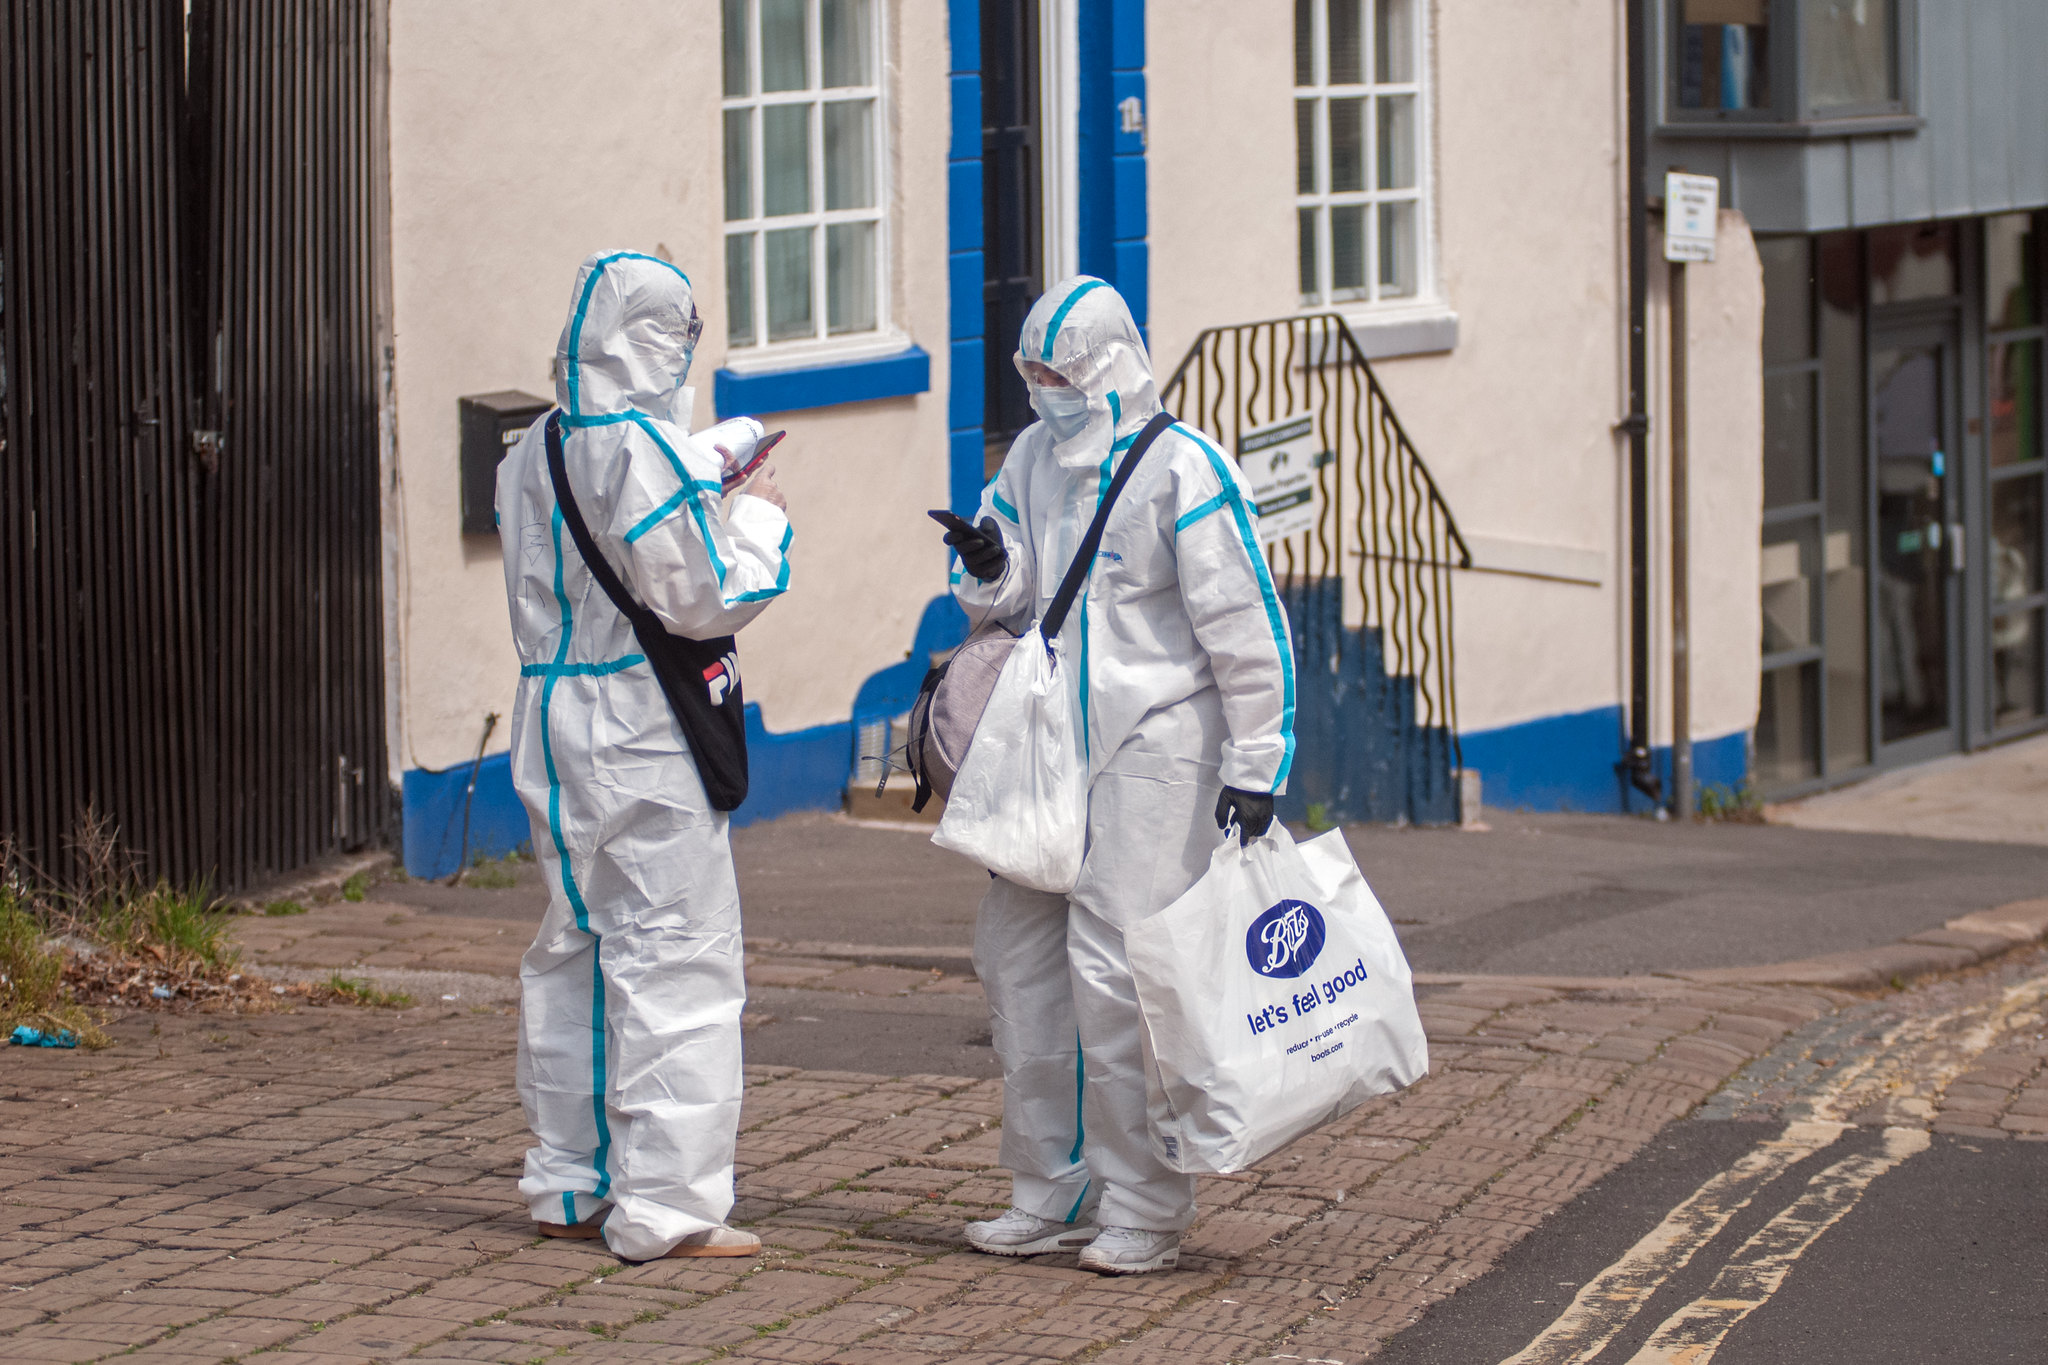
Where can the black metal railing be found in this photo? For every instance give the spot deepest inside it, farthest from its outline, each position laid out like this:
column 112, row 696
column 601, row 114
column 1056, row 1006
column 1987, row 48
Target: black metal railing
column 190, row 604
column 1382, row 544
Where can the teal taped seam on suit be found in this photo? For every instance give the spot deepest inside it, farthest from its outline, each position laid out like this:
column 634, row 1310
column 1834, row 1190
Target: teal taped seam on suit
column 569, row 887
column 1214, row 504
column 781, row 576
column 1266, row 592
column 1053, row 328
column 581, row 670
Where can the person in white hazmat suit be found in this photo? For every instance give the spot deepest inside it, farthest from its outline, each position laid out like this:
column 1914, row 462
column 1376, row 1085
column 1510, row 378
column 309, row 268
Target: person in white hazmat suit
column 629, row 1025
column 1185, row 678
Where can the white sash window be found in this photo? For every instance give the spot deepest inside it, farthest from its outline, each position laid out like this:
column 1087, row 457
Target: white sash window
column 805, row 162
column 1361, row 178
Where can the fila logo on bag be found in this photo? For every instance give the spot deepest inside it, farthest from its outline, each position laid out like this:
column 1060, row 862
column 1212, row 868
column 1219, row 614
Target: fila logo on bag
column 722, row 677
column 1285, row 940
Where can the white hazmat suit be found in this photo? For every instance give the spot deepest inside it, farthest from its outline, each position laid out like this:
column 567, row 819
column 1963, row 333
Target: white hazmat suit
column 629, row 1034
column 1185, row 676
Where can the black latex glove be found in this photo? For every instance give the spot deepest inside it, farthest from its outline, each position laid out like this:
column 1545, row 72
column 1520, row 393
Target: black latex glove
column 980, row 548
column 1253, row 812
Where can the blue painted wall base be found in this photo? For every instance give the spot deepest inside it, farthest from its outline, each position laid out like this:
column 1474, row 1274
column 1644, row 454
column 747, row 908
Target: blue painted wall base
column 1359, row 753
column 801, row 770
column 433, row 816
column 1568, row 763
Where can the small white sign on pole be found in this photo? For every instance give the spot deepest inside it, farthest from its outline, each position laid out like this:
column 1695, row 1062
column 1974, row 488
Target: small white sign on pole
column 1690, row 205
column 1279, row 461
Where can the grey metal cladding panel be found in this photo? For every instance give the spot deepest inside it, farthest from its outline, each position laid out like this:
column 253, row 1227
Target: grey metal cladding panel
column 1823, row 171
column 1774, row 187
column 1981, row 85
column 2025, row 111
column 1983, row 92
column 1936, row 176
column 1987, row 96
column 1870, row 182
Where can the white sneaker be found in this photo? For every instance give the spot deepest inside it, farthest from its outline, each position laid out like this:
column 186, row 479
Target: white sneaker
column 1131, row 1251
column 1018, row 1233
column 719, row 1241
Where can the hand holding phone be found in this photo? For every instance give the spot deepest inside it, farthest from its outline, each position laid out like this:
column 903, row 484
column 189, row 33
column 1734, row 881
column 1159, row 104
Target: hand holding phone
column 742, row 464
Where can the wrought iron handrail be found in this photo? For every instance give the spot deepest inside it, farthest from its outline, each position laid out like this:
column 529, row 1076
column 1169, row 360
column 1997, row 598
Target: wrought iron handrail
column 1376, row 500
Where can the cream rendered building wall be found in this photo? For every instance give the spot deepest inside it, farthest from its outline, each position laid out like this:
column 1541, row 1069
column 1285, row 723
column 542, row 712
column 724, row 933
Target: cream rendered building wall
column 1516, row 422
column 1725, row 459
column 526, row 134
column 1220, row 147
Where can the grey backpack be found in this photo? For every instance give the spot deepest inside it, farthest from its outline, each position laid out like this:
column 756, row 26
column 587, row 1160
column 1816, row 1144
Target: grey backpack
column 956, row 690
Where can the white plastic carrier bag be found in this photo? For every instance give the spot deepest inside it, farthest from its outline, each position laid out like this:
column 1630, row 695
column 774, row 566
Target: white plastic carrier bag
column 1276, row 998
column 1019, row 804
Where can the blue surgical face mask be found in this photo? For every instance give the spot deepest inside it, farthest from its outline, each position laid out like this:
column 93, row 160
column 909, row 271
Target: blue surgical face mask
column 1064, row 410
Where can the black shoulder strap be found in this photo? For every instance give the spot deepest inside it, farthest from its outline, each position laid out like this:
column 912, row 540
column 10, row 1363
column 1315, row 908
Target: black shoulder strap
column 1084, row 558
column 572, row 517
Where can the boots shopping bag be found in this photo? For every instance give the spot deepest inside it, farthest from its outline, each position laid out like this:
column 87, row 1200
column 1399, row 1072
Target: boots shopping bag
column 1276, row 998
column 1019, row 804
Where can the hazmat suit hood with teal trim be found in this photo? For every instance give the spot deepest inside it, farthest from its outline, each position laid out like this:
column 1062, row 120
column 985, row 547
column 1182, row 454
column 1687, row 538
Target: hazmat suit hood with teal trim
column 1082, row 329
column 627, row 342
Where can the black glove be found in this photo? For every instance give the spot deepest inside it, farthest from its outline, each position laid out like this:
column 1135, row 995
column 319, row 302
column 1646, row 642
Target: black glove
column 1252, row 811
column 980, row 549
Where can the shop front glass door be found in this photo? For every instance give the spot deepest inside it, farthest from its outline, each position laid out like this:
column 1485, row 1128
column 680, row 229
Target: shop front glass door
column 1918, row 547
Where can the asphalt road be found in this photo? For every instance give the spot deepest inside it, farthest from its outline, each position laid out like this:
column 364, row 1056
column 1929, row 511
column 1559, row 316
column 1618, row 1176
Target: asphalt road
column 1940, row 1260
column 907, row 1035
column 1575, row 895
column 1863, row 1192
column 1579, row 895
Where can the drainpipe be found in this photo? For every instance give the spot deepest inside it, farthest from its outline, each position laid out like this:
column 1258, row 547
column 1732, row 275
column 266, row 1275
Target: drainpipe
column 1635, row 764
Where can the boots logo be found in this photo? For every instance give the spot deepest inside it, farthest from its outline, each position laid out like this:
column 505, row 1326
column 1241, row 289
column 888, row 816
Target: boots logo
column 722, row 677
column 1285, row 940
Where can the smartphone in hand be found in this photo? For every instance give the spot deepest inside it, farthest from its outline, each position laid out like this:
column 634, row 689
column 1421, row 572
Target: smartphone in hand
column 737, row 477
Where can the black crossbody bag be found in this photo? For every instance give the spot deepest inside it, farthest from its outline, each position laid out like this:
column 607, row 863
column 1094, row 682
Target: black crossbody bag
column 700, row 678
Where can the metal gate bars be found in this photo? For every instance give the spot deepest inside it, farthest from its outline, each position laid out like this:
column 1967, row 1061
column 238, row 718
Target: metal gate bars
column 1376, row 717
column 189, row 556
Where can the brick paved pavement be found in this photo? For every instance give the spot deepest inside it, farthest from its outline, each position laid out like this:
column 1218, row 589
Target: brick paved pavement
column 336, row 1184
column 390, row 936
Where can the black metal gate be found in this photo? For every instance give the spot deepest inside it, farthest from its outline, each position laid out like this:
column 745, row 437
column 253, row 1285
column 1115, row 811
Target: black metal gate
column 1376, row 712
column 190, row 610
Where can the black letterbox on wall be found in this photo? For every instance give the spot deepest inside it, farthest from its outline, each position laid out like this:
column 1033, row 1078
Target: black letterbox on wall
column 492, row 424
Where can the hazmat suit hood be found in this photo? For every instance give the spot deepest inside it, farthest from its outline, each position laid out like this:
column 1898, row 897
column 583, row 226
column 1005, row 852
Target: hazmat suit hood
column 1082, row 329
column 628, row 340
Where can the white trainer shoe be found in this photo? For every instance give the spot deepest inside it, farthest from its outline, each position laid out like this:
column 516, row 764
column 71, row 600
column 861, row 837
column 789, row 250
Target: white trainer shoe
column 719, row 1241
column 1018, row 1233
column 1131, row 1251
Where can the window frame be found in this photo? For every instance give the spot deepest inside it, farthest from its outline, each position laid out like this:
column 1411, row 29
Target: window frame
column 1425, row 295
column 2035, row 467
column 1787, row 115
column 821, row 346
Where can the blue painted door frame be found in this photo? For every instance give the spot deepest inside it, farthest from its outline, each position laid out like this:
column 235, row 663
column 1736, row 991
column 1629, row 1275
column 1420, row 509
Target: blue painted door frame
column 1111, row 210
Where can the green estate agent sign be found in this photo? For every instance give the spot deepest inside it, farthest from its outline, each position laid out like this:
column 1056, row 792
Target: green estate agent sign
column 1279, row 462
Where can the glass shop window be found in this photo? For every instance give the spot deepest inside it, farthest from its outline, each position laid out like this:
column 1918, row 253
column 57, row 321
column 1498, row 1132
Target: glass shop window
column 2018, row 468
column 1724, row 54
column 804, row 168
column 1846, row 50
column 1766, row 61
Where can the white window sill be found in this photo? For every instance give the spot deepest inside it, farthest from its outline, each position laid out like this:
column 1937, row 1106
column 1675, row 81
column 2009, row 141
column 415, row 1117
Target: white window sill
column 1419, row 329
column 796, row 355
